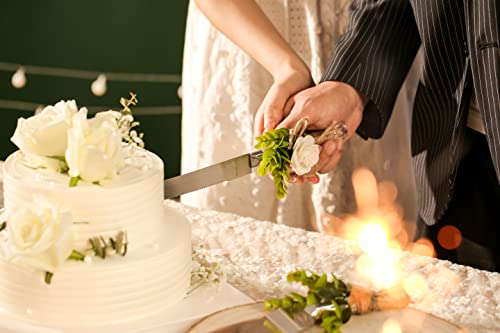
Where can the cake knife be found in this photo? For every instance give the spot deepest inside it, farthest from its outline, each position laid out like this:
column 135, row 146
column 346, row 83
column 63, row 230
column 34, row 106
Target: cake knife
column 211, row 175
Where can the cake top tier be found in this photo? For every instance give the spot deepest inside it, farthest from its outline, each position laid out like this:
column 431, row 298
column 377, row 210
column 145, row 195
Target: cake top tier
column 141, row 165
column 64, row 145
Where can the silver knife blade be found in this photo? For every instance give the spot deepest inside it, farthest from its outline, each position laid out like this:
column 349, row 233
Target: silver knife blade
column 211, row 175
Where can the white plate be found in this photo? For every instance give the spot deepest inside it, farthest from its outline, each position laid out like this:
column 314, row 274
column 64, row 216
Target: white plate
column 249, row 318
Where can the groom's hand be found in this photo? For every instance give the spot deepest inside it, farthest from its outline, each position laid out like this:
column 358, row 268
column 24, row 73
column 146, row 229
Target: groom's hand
column 324, row 104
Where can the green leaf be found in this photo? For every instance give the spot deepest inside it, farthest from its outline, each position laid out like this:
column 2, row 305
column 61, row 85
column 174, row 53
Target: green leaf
column 74, row 181
column 338, row 310
column 76, row 255
column 312, row 299
column 321, row 281
column 59, row 158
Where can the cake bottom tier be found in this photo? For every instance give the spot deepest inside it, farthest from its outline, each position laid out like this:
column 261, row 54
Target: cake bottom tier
column 104, row 292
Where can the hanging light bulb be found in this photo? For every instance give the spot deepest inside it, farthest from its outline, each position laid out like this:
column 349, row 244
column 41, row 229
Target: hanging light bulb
column 179, row 92
column 39, row 109
column 18, row 79
column 99, row 87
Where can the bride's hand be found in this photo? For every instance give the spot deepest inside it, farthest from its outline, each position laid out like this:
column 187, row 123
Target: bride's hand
column 287, row 82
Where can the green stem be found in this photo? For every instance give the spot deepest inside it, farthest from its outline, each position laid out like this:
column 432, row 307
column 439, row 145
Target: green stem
column 48, row 277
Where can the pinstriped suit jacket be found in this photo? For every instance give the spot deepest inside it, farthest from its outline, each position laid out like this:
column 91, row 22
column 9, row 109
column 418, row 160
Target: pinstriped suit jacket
column 460, row 40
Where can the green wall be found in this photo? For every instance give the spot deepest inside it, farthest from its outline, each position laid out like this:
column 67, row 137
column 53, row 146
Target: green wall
column 126, row 36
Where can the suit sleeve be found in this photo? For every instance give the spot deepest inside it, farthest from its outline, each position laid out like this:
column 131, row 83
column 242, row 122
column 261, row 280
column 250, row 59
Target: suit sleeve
column 374, row 56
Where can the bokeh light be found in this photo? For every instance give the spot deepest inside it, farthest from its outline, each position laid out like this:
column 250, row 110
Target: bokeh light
column 373, row 238
column 415, row 285
column 391, row 326
column 449, row 237
column 423, row 247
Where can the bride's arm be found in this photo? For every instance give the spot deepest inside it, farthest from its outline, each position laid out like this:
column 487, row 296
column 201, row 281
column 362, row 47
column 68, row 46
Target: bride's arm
column 243, row 22
column 247, row 26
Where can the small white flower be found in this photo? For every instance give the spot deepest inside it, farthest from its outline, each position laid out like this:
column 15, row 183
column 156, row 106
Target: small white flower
column 40, row 235
column 45, row 134
column 305, row 155
column 95, row 149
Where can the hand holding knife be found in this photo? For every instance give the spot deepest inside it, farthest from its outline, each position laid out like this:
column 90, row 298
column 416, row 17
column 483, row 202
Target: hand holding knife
column 236, row 167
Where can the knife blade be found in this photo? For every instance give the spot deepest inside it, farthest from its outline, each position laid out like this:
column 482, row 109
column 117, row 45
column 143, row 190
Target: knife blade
column 211, row 175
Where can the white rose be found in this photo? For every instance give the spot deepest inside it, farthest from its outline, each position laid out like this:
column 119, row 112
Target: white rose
column 45, row 134
column 40, row 235
column 305, row 155
column 95, row 149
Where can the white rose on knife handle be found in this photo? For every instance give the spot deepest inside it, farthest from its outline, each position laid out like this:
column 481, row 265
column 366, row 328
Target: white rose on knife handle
column 305, row 155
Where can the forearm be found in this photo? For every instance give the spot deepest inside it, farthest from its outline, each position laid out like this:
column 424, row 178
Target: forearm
column 243, row 22
column 374, row 57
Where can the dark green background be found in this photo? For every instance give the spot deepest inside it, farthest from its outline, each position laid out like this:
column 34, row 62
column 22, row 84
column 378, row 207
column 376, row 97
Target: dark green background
column 129, row 36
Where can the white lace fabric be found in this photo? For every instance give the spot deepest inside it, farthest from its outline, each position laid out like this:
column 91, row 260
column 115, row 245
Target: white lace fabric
column 257, row 255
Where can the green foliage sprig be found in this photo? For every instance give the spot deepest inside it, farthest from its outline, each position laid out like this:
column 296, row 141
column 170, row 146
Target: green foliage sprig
column 276, row 158
column 322, row 290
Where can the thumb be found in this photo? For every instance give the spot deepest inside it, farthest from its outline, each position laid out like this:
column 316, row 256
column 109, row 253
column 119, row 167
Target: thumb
column 272, row 116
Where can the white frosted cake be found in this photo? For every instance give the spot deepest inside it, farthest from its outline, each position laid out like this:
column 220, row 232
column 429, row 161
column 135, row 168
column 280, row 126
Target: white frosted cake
column 80, row 251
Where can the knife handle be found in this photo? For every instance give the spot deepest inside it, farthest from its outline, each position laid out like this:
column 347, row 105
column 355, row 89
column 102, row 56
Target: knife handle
column 255, row 158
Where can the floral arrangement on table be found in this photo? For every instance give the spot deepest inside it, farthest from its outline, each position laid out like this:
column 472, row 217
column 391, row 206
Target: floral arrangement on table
column 293, row 150
column 61, row 138
column 338, row 300
column 204, row 271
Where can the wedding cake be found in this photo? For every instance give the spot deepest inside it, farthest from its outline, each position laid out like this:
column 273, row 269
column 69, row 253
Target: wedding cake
column 86, row 240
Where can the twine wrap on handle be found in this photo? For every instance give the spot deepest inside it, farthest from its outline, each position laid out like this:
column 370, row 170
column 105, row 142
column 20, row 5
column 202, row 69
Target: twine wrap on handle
column 336, row 131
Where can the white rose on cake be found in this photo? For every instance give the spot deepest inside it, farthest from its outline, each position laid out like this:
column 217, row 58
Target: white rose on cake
column 40, row 235
column 95, row 149
column 305, row 155
column 45, row 134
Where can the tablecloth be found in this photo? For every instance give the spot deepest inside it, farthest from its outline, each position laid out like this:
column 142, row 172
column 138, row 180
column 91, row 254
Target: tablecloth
column 257, row 255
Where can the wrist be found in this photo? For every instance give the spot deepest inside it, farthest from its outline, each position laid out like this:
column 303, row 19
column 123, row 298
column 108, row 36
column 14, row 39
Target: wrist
column 355, row 98
column 288, row 67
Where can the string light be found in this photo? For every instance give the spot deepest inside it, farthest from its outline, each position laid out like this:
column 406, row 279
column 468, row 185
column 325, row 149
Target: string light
column 179, row 92
column 18, row 79
column 99, row 86
column 91, row 75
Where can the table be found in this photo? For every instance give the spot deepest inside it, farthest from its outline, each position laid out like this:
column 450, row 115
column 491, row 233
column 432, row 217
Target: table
column 257, row 255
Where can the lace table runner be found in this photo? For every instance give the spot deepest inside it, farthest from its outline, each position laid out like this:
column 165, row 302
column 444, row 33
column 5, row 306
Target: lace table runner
column 257, row 255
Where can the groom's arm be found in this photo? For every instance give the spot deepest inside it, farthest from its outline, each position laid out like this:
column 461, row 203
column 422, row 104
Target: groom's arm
column 374, row 57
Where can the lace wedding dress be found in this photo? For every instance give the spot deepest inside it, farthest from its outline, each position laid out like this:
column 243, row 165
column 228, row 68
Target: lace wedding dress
column 222, row 88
